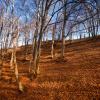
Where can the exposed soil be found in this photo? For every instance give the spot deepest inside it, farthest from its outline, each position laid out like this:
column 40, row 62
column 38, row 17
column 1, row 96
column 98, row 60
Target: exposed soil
column 75, row 77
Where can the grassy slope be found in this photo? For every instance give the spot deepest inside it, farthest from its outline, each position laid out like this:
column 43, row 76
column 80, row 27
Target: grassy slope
column 76, row 77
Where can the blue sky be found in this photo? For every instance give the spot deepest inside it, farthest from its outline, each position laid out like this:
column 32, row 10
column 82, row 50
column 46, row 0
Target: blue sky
column 26, row 11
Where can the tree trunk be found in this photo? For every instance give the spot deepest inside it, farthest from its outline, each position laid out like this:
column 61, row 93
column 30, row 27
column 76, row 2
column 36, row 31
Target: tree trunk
column 63, row 44
column 14, row 67
column 52, row 47
column 1, row 60
column 80, row 36
column 63, row 31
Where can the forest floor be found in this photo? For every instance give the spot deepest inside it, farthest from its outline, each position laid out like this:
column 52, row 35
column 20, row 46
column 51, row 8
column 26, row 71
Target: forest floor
column 75, row 77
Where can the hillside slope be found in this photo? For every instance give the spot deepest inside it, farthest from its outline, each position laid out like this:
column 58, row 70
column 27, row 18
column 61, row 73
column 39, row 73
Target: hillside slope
column 76, row 77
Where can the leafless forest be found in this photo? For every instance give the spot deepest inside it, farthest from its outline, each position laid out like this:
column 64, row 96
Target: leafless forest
column 49, row 50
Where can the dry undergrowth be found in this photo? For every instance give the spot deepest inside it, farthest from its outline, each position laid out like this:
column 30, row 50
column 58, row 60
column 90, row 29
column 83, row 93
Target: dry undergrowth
column 75, row 77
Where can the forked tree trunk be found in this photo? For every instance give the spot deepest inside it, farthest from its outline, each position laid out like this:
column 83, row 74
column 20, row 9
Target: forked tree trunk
column 13, row 65
column 35, row 66
column 40, row 30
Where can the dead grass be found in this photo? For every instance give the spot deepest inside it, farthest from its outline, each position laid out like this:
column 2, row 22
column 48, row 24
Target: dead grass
column 75, row 77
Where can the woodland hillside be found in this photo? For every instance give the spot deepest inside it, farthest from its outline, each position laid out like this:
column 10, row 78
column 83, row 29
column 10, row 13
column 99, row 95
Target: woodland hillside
column 74, row 77
column 49, row 49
